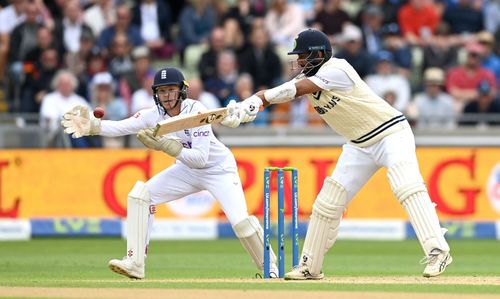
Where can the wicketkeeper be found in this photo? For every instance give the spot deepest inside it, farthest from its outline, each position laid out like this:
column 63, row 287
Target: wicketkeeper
column 202, row 163
column 379, row 136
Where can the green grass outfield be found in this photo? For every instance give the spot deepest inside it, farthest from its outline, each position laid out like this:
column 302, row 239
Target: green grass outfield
column 223, row 264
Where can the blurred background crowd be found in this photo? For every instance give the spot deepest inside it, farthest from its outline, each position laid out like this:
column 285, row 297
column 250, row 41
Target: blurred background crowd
column 436, row 61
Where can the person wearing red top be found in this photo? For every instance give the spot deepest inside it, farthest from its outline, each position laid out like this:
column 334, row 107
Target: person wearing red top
column 462, row 81
column 418, row 20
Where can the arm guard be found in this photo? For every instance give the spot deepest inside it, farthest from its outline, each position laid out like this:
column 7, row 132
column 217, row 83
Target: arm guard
column 281, row 94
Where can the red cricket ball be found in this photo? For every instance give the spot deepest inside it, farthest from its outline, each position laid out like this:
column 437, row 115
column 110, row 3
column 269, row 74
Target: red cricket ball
column 98, row 112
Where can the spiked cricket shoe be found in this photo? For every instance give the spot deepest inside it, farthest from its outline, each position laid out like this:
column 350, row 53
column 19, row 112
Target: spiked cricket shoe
column 437, row 261
column 127, row 267
column 301, row 272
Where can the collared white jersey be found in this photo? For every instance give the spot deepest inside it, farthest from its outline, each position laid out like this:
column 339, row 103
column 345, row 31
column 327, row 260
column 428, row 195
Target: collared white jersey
column 355, row 112
column 201, row 148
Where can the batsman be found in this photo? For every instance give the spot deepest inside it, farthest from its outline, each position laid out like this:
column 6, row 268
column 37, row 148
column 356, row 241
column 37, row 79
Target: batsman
column 378, row 136
column 202, row 163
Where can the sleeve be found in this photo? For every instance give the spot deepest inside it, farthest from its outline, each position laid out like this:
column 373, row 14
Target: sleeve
column 142, row 119
column 197, row 155
column 332, row 78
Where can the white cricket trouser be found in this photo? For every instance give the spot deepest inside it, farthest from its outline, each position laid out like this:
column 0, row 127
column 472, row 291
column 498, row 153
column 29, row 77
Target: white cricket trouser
column 357, row 165
column 222, row 181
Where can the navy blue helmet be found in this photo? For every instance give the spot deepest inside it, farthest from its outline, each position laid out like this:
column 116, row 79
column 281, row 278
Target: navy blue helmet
column 312, row 42
column 169, row 76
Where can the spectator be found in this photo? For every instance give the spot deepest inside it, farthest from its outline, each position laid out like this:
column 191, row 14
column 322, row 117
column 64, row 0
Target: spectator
column 491, row 61
column 155, row 20
column 418, row 20
column 142, row 98
column 442, row 50
column 10, row 16
column 134, row 79
column 195, row 24
column 103, row 95
column 464, row 17
column 352, row 50
column 100, row 15
column 122, row 26
column 44, row 40
column 261, row 61
column 484, row 110
column 433, row 108
column 196, row 91
column 120, row 61
column 208, row 61
column 96, row 63
column 386, row 81
column 222, row 86
column 39, row 76
column 492, row 16
column 462, row 81
column 331, row 18
column 23, row 38
column 244, row 13
column 399, row 48
column 69, row 29
column 55, row 104
column 77, row 62
column 390, row 9
column 371, row 26
column 284, row 21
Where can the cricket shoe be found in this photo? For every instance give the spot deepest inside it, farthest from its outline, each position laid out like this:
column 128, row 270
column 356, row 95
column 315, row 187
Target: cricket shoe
column 301, row 272
column 436, row 261
column 127, row 267
column 273, row 273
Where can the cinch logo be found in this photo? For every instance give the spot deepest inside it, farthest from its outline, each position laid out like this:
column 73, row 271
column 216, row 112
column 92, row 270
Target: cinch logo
column 201, row 134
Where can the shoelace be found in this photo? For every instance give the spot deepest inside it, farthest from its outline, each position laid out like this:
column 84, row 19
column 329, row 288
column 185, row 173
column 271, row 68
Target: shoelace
column 431, row 259
column 271, row 275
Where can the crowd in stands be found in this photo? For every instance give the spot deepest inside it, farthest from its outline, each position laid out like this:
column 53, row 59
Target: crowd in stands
column 436, row 61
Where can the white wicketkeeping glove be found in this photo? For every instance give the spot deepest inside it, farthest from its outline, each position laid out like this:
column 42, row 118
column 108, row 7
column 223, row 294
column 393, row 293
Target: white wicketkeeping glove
column 249, row 108
column 166, row 143
column 80, row 122
column 232, row 119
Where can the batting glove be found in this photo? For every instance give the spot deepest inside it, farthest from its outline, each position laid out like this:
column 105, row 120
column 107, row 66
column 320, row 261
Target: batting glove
column 249, row 108
column 80, row 122
column 166, row 143
column 232, row 119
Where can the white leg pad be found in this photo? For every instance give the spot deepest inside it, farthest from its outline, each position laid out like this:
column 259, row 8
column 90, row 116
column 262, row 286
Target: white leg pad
column 251, row 237
column 324, row 224
column 138, row 216
column 408, row 186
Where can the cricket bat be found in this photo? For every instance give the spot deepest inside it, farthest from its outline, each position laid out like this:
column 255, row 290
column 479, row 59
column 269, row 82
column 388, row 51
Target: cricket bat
column 188, row 121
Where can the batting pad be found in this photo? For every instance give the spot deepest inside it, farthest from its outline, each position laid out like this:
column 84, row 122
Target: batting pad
column 408, row 186
column 138, row 213
column 324, row 224
column 251, row 237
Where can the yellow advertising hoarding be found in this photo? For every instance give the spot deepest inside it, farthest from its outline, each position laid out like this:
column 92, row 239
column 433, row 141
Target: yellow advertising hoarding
column 464, row 182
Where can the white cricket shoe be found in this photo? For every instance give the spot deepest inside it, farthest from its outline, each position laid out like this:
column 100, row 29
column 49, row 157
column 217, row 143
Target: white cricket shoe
column 301, row 272
column 127, row 267
column 437, row 261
